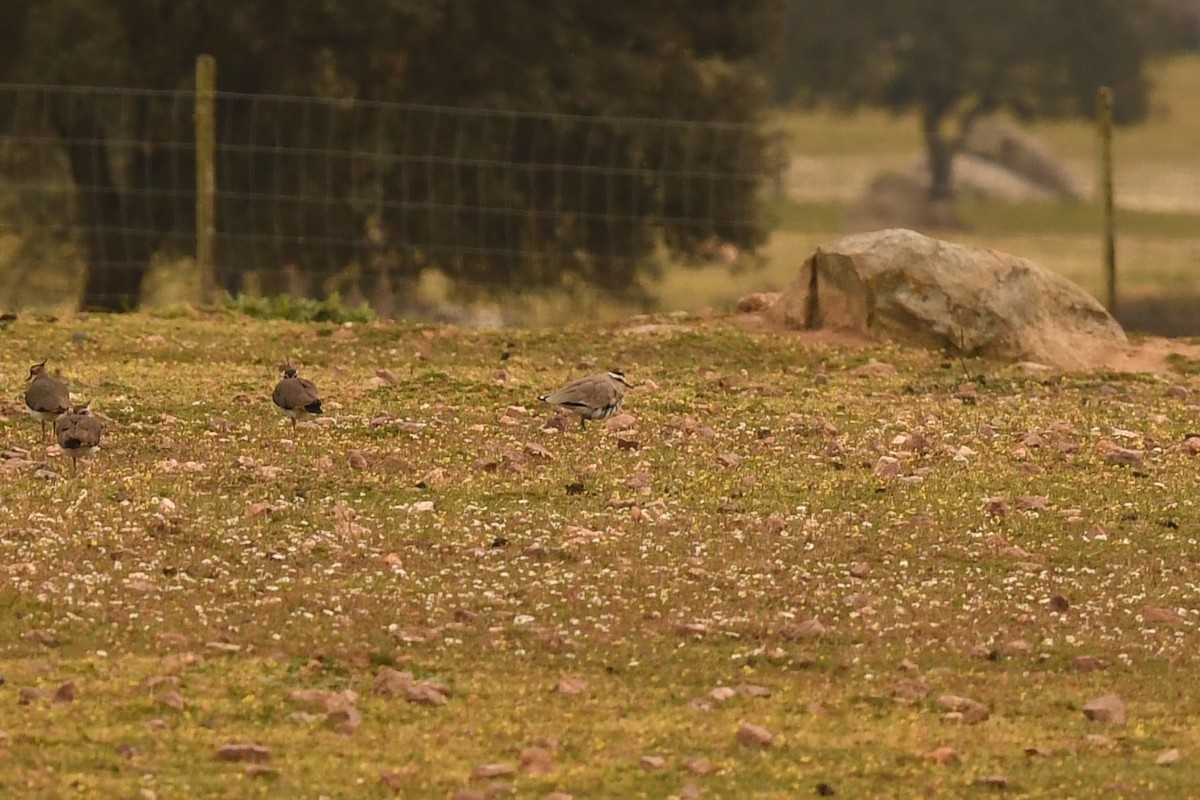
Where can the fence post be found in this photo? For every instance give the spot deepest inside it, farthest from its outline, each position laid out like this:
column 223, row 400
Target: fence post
column 206, row 177
column 1104, row 102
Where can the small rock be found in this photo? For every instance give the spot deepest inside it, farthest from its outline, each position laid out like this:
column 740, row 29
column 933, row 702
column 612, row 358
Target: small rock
column 426, row 694
column 1108, row 709
column 260, row 771
column 1167, row 757
column 344, row 720
column 757, row 302
column 996, row 507
column 390, row 681
column 809, row 629
column 393, row 779
column 942, row 755
column 1154, row 614
column 874, row 369
column 994, row 781
column 962, row 709
column 65, row 693
column 887, row 467
column 537, row 761
column 699, row 765
column 535, row 450
column 571, row 686
column 722, row 693
column 243, row 752
column 1059, row 603
column 356, row 459
column 860, row 570
column 751, row 735
column 1088, row 663
column 621, row 422
column 485, row 772
column 652, row 763
column 968, row 393
column 171, row 699
column 1124, row 457
column 953, row 702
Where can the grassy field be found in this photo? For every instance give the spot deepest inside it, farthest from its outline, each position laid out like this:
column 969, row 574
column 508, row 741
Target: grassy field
column 591, row 613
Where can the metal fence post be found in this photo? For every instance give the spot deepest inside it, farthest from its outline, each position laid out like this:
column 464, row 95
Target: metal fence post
column 206, row 180
column 1104, row 103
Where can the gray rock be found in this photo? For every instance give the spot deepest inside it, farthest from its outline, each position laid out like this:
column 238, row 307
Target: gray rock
column 999, row 141
column 901, row 285
column 1109, row 709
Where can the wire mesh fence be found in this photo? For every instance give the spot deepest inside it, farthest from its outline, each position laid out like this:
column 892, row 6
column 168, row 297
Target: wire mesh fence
column 318, row 195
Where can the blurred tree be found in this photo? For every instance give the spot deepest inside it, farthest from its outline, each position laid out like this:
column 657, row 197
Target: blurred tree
column 1171, row 25
column 952, row 62
column 553, row 64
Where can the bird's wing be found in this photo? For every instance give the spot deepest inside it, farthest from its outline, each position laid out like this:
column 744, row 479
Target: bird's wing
column 593, row 391
column 87, row 430
column 48, row 394
column 310, row 391
column 63, row 424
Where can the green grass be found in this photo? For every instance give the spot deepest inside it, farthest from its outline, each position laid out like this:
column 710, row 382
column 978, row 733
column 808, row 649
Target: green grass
column 749, row 506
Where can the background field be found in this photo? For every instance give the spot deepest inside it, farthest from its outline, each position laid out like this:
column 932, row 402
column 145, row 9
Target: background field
column 1157, row 187
column 579, row 596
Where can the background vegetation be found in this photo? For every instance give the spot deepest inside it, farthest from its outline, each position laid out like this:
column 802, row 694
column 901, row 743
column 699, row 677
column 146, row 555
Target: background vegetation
column 551, row 242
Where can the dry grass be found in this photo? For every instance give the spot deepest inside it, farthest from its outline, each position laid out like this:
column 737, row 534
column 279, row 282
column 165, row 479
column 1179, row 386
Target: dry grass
column 207, row 552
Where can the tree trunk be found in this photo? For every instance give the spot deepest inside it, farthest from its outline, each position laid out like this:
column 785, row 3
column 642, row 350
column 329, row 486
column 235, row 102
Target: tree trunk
column 940, row 152
column 117, row 251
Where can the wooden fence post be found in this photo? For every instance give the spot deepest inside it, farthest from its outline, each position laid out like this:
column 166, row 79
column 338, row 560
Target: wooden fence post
column 1104, row 115
column 206, row 176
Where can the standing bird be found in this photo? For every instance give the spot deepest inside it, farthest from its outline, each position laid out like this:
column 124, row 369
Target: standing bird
column 47, row 396
column 78, row 434
column 295, row 396
column 593, row 397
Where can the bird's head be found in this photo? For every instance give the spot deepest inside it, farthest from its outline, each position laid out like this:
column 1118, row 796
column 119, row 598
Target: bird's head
column 617, row 376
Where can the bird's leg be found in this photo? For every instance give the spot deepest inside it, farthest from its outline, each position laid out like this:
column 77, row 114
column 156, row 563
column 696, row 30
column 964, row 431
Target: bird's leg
column 74, row 466
column 293, row 426
column 583, row 423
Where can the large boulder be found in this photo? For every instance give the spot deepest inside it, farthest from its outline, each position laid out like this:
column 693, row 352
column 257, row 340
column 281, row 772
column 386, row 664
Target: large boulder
column 902, row 285
column 1001, row 142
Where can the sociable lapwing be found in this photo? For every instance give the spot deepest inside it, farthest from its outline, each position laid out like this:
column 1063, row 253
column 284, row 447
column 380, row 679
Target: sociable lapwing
column 47, row 396
column 296, row 397
column 591, row 397
column 78, row 434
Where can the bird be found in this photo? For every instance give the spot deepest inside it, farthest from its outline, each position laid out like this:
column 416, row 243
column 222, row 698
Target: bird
column 78, row 434
column 47, row 396
column 294, row 396
column 591, row 397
